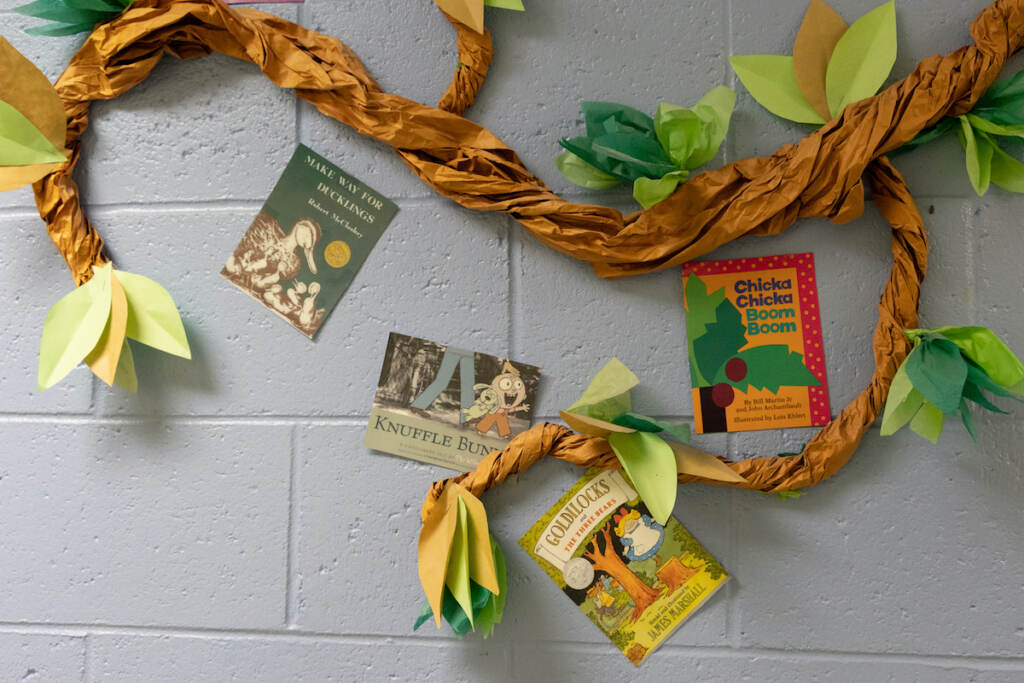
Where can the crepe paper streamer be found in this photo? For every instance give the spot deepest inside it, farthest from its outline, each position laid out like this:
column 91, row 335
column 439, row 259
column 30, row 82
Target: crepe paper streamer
column 639, row 442
column 487, row 607
column 471, row 12
column 832, row 65
column 655, row 154
column 948, row 367
column 32, row 122
column 71, row 16
column 454, row 551
column 93, row 323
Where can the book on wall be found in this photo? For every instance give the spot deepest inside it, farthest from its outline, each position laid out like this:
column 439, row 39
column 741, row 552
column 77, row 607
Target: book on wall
column 448, row 406
column 753, row 328
column 635, row 579
column 304, row 248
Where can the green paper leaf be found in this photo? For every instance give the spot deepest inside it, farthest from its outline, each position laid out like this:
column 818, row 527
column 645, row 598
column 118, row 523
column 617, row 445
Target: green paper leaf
column 973, row 393
column 607, row 395
column 648, row 192
column 1007, row 172
column 721, row 341
column 714, row 110
column 928, row 422
column 937, row 370
column 771, row 81
column 643, row 156
column 968, row 419
column 124, row 376
column 583, row 174
column 602, row 118
column 152, row 315
column 456, row 577
column 982, row 346
column 104, row 6
column 978, row 377
column 862, row 59
column 678, row 130
column 56, row 11
column 700, row 311
column 73, row 326
column 984, row 125
column 21, row 143
column 770, row 366
column 506, row 4
column 902, row 404
column 57, row 30
column 493, row 611
column 943, row 127
column 642, row 423
column 978, row 154
column 651, row 466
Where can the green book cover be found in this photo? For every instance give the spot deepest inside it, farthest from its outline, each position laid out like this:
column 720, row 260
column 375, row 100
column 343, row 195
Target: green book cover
column 308, row 242
column 635, row 579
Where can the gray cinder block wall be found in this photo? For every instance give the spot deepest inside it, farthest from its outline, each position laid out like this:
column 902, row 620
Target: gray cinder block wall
column 226, row 524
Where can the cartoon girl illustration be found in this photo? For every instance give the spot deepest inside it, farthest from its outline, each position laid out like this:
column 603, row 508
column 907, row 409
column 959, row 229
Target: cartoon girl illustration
column 511, row 392
column 641, row 536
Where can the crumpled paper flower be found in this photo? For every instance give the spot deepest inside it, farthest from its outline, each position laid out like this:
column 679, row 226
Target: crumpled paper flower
column 623, row 144
column 998, row 114
column 832, row 65
column 33, row 126
column 948, row 367
column 94, row 322
column 651, row 462
column 461, row 566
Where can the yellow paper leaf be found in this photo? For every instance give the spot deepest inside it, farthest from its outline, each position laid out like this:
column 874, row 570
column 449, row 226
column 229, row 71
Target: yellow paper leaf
column 591, row 426
column 469, row 12
column 481, row 558
column 820, row 31
column 690, row 460
column 13, row 177
column 103, row 360
column 434, row 546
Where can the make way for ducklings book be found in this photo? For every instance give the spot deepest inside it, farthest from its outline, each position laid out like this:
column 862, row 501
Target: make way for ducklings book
column 634, row 578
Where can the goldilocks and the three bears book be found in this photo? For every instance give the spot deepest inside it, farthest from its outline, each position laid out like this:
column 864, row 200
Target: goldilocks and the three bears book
column 753, row 329
column 634, row 578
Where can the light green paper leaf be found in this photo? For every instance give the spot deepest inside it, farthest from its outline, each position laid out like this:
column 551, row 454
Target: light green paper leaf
column 772, row 82
column 978, row 153
column 862, row 58
column 456, row 577
column 715, row 110
column 903, row 402
column 986, row 126
column 1007, row 172
column 648, row 192
column 982, row 346
column 928, row 422
column 651, row 466
column 607, row 395
column 152, row 316
column 678, row 130
column 583, row 174
column 125, row 376
column 506, row 4
column 73, row 326
column 21, row 143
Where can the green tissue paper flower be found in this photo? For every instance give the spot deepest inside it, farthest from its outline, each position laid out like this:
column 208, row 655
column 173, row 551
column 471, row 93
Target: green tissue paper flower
column 71, row 16
column 949, row 367
column 998, row 117
column 655, row 154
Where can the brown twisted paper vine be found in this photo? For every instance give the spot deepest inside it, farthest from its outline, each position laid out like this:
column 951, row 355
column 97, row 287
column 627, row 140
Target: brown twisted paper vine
column 819, row 176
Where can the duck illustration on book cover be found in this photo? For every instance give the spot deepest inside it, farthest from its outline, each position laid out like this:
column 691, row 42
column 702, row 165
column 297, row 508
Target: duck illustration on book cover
column 308, row 242
column 635, row 579
column 753, row 329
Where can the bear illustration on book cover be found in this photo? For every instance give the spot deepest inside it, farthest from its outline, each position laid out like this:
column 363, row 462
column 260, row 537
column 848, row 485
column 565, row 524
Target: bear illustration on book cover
column 753, row 329
column 635, row 579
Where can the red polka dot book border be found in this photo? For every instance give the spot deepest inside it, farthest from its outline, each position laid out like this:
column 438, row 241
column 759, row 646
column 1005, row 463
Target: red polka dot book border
column 810, row 313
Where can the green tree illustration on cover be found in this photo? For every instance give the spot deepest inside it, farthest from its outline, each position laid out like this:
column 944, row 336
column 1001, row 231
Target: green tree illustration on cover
column 715, row 334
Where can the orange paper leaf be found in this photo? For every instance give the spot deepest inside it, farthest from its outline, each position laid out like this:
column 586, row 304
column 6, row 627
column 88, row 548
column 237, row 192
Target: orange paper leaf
column 820, row 31
column 104, row 358
column 690, row 460
column 468, row 12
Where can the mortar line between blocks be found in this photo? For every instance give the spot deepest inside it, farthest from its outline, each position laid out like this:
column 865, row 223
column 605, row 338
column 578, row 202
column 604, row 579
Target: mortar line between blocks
column 291, row 563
